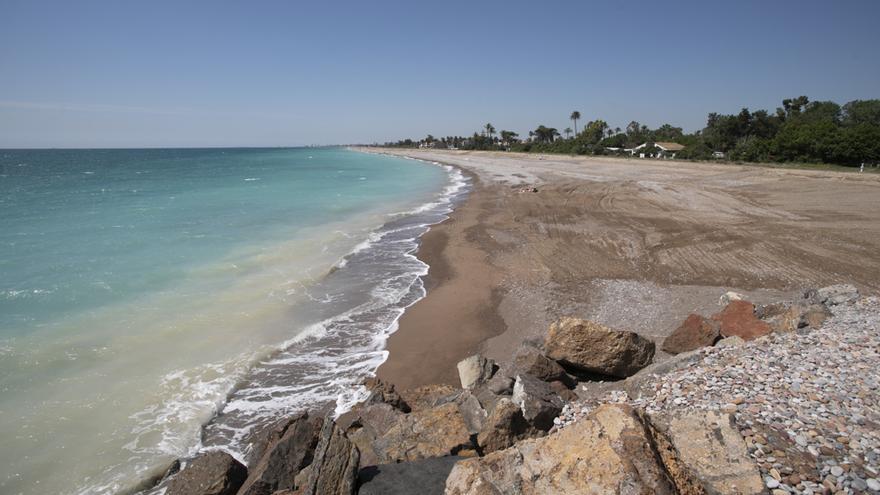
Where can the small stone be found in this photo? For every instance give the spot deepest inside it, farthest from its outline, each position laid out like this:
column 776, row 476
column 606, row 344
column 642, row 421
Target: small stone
column 770, row 482
column 801, row 440
column 775, row 474
column 859, row 484
column 873, row 484
column 779, row 492
column 836, row 471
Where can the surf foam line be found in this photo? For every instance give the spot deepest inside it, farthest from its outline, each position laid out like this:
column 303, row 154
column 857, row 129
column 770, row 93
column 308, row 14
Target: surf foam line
column 350, row 314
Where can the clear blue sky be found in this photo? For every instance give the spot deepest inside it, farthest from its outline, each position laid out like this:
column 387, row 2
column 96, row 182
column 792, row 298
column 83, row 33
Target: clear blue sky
column 153, row 73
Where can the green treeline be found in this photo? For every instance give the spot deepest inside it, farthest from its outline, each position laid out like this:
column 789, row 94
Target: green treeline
column 798, row 131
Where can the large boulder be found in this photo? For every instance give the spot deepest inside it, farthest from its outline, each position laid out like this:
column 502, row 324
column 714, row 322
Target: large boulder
column 426, row 477
column 738, row 319
column 607, row 452
column 695, row 332
column 834, row 295
column 211, row 473
column 334, row 469
column 537, row 400
column 704, row 450
column 475, row 370
column 587, row 346
column 290, row 450
column 434, row 432
column 504, row 427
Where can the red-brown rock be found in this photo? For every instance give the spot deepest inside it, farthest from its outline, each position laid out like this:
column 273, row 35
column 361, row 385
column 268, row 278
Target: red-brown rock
column 738, row 319
column 694, row 333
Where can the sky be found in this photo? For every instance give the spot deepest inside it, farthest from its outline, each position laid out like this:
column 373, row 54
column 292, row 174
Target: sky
column 123, row 73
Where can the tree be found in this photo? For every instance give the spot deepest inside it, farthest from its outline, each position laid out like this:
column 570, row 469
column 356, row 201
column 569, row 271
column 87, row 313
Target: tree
column 575, row 116
column 490, row 130
column 567, row 132
column 509, row 137
column 546, row 134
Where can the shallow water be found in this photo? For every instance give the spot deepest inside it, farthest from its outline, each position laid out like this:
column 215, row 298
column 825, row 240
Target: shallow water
column 145, row 291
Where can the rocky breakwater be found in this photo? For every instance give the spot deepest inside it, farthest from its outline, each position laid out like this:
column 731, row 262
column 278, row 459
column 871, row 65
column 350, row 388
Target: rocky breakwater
column 764, row 398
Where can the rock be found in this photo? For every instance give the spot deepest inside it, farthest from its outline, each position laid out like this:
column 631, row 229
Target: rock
column 429, row 396
column 562, row 390
column 428, row 433
column 363, row 425
column 429, row 475
column 384, row 393
column 335, row 465
column 537, row 401
column 475, row 370
column 606, row 452
column 471, row 411
column 695, row 332
column 500, row 384
column 708, row 447
column 739, row 319
column 590, row 347
column 289, row 451
column 795, row 316
column 873, row 484
column 834, row 295
column 730, row 342
column 504, row 427
column 210, row 473
column 530, row 361
column 729, row 296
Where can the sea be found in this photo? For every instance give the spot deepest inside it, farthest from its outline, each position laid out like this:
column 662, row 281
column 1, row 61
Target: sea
column 159, row 302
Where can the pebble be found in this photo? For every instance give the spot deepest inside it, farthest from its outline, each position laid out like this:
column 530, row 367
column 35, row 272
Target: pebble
column 806, row 403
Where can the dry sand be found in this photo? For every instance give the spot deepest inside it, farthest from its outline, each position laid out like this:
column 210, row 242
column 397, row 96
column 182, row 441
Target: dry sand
column 636, row 244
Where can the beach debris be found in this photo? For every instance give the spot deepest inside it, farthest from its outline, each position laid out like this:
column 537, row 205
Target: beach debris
column 587, row 346
column 211, row 473
column 695, row 332
column 475, row 370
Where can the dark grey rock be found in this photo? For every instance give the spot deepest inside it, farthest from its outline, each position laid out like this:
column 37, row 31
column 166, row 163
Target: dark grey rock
column 210, row 473
column 426, row 477
column 537, row 400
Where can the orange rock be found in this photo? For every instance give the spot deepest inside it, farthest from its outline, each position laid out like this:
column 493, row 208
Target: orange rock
column 738, row 319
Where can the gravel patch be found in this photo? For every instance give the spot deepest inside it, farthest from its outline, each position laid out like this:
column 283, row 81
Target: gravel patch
column 807, row 404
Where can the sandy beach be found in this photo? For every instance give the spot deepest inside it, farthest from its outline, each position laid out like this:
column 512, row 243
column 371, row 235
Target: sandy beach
column 635, row 244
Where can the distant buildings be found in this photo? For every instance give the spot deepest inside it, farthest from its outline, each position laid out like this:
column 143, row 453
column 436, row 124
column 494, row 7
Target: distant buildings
column 663, row 149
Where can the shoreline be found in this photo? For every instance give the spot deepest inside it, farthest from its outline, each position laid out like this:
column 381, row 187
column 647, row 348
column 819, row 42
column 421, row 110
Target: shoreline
column 461, row 294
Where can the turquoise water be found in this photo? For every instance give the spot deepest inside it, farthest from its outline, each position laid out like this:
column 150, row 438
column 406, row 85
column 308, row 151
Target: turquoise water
column 140, row 288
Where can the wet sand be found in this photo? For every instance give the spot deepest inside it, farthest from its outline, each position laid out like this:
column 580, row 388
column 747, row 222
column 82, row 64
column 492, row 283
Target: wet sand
column 635, row 244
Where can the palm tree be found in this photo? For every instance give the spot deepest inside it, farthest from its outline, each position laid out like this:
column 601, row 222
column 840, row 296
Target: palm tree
column 490, row 130
column 567, row 132
column 575, row 116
